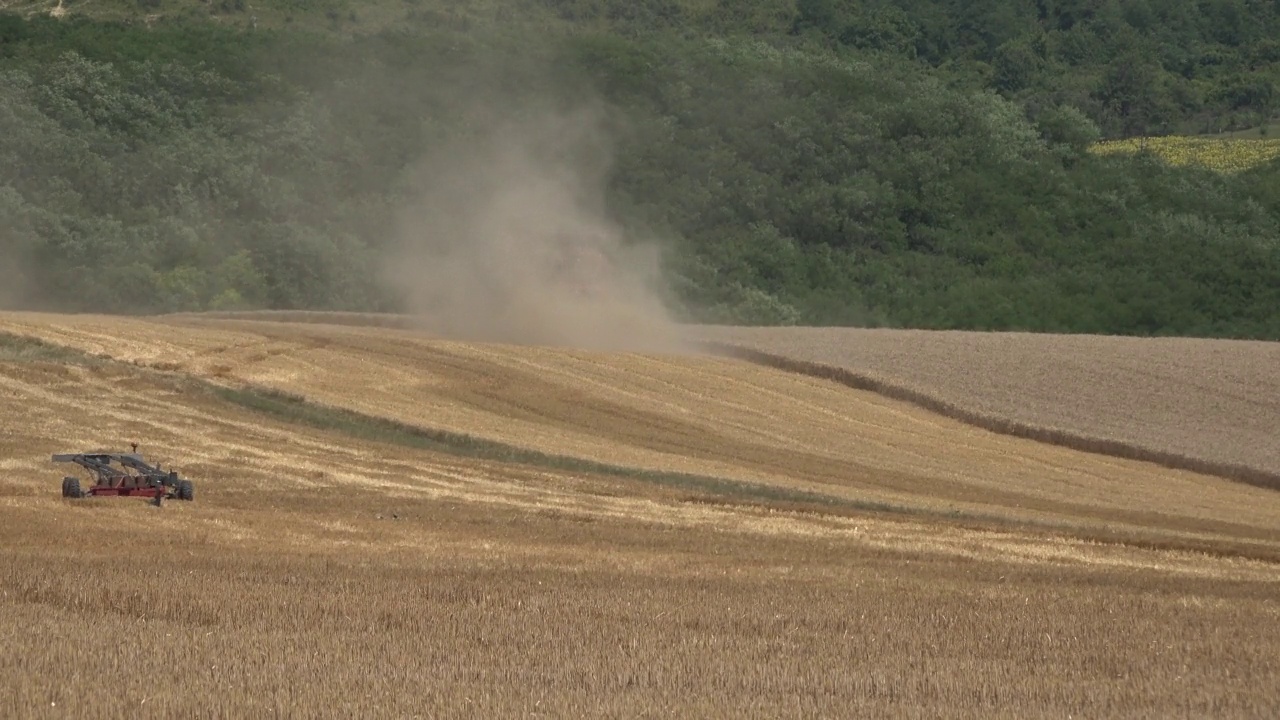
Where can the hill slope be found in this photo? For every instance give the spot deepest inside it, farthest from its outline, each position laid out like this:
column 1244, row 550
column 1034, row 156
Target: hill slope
column 1193, row 402
column 330, row 567
column 196, row 164
column 704, row 416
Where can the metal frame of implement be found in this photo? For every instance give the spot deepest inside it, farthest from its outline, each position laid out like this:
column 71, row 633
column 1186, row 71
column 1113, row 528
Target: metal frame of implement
column 145, row 480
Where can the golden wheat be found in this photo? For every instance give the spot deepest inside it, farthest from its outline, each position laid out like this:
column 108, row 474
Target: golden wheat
column 1207, row 405
column 699, row 415
column 323, row 577
column 760, row 630
column 1221, row 154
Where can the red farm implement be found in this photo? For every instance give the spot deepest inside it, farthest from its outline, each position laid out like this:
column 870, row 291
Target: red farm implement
column 134, row 477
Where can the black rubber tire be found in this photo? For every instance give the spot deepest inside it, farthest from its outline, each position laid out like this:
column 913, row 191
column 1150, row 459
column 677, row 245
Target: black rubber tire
column 71, row 487
column 186, row 490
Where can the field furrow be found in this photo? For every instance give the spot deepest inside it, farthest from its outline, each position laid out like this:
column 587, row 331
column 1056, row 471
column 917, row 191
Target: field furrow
column 1211, row 401
column 334, row 569
column 700, row 415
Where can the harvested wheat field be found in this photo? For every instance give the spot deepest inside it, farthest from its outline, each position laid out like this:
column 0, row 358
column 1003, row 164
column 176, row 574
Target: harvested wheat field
column 1208, row 404
column 427, row 528
column 695, row 415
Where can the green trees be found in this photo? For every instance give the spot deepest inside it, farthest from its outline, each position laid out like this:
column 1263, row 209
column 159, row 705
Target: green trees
column 816, row 174
column 1137, row 68
column 128, row 189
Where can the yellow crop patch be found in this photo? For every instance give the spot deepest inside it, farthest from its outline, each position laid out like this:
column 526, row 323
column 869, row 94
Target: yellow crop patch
column 1222, row 154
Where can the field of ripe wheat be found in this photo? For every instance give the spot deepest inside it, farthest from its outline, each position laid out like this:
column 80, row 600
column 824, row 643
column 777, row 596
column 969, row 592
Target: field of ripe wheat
column 1205, row 405
column 713, row 418
column 1212, row 405
column 321, row 573
column 1221, row 154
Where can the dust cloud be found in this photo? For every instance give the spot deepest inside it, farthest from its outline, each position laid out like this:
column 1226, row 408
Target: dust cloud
column 14, row 277
column 509, row 240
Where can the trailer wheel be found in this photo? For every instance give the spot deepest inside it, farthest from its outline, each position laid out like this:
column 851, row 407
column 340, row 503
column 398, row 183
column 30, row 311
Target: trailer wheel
column 186, row 490
column 71, row 487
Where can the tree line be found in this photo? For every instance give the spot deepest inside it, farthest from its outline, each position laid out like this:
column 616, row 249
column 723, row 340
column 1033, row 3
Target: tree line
column 822, row 163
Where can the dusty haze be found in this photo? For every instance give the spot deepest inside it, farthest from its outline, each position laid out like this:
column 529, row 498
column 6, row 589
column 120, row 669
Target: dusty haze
column 510, row 241
column 14, row 278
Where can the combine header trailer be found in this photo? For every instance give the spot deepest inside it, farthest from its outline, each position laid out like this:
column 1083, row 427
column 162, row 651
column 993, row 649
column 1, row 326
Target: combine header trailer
column 145, row 480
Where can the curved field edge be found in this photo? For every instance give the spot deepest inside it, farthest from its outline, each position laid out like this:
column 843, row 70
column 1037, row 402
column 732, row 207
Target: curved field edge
column 1236, row 472
column 994, row 423
column 294, row 408
column 691, row 488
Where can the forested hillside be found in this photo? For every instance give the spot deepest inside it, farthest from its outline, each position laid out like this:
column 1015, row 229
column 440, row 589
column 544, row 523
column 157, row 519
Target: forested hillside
column 916, row 163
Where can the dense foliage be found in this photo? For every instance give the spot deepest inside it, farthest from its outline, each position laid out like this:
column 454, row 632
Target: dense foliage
column 805, row 162
column 1137, row 67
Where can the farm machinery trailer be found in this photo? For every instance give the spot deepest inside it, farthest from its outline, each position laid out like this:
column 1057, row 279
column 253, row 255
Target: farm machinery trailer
column 135, row 477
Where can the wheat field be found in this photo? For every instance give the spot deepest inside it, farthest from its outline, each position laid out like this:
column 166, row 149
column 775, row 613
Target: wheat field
column 1210, row 404
column 1206, row 405
column 323, row 574
column 700, row 415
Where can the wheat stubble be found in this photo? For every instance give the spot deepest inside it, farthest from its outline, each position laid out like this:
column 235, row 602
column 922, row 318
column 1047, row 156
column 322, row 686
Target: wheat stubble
column 320, row 577
column 1205, row 405
column 699, row 415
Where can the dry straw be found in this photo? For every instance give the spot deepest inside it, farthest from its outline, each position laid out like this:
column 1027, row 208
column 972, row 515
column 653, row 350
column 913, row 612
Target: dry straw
column 994, row 423
column 966, row 413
